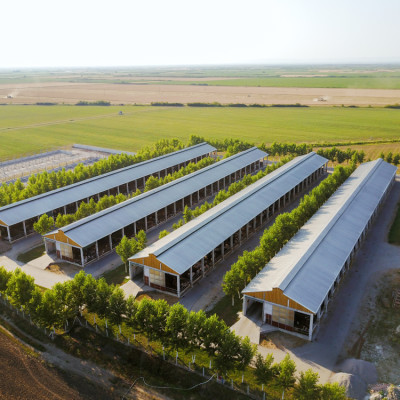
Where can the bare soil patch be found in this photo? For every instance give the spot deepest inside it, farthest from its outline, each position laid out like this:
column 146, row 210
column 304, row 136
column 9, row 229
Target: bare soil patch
column 71, row 93
column 281, row 340
column 376, row 332
column 63, row 269
column 26, row 377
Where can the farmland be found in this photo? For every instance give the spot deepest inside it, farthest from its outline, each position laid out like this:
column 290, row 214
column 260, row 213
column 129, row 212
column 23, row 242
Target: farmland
column 26, row 129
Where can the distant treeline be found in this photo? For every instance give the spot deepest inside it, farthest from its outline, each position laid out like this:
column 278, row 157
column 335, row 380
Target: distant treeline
column 216, row 104
column 93, row 103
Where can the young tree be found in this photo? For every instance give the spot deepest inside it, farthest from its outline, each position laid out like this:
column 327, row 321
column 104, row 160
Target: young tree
column 4, row 278
column 141, row 239
column 19, row 288
column 44, row 225
column 246, row 352
column 176, row 326
column 117, row 306
column 187, row 214
column 33, row 307
column 103, row 294
column 285, row 378
column 125, row 250
column 332, row 391
column 307, row 387
column 195, row 328
column 163, row 234
column 226, row 358
column 265, row 371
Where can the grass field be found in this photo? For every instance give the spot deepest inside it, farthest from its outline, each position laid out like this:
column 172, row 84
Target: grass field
column 32, row 128
column 344, row 82
column 334, row 76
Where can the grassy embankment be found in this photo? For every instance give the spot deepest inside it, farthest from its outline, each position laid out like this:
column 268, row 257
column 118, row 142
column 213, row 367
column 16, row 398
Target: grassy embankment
column 27, row 129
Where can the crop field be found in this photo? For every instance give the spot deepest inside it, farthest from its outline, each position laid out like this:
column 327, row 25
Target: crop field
column 31, row 128
column 172, row 91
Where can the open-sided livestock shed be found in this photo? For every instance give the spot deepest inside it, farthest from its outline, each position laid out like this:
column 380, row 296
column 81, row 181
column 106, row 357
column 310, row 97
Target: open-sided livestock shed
column 17, row 219
column 293, row 290
column 184, row 256
column 92, row 237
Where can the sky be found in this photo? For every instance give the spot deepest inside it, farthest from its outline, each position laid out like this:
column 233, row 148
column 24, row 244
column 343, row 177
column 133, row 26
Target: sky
column 59, row 33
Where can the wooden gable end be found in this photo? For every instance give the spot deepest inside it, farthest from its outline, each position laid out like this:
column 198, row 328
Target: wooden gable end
column 276, row 296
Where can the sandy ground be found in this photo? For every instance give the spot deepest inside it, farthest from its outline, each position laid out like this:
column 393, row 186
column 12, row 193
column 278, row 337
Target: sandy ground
column 31, row 93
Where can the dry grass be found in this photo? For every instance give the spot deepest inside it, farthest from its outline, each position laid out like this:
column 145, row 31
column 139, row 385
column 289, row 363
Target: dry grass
column 71, row 93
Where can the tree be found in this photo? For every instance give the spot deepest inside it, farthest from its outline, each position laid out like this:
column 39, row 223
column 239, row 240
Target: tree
column 117, row 306
column 187, row 214
column 103, row 294
column 246, row 352
column 176, row 326
column 44, row 225
column 332, row 391
column 125, row 250
column 4, row 278
column 141, row 239
column 151, row 183
column 307, row 388
column 265, row 370
column 75, row 293
column 19, row 288
column 163, row 234
column 89, row 290
column 285, row 378
column 33, row 307
column 195, row 328
column 214, row 329
column 227, row 351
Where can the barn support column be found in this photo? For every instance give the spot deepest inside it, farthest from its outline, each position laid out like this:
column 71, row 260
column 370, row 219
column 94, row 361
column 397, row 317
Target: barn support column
column 310, row 331
column 23, row 223
column 178, row 285
column 83, row 261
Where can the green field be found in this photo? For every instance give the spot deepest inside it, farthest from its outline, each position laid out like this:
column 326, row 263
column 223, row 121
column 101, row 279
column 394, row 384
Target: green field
column 27, row 129
column 322, row 76
column 344, row 82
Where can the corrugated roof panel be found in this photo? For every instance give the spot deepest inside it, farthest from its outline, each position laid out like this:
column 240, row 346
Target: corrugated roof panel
column 94, row 227
column 306, row 268
column 205, row 232
column 38, row 205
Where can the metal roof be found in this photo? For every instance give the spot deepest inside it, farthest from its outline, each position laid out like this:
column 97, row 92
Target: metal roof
column 96, row 226
column 190, row 243
column 308, row 265
column 43, row 203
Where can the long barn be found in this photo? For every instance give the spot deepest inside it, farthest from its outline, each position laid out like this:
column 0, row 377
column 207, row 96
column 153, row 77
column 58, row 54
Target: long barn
column 17, row 219
column 91, row 238
column 183, row 257
column 293, row 290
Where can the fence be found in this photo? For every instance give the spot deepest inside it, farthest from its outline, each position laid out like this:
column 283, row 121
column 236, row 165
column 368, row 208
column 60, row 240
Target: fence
column 205, row 372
